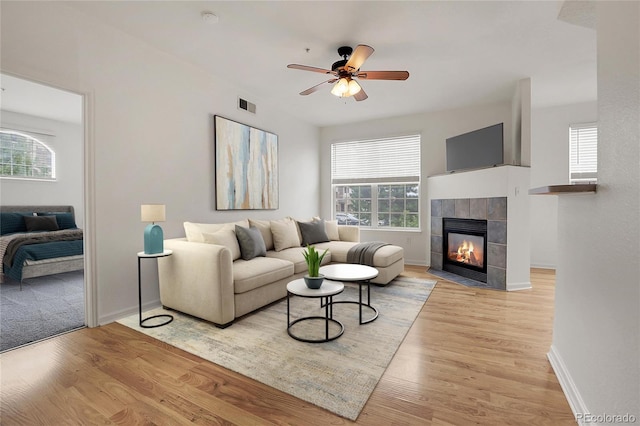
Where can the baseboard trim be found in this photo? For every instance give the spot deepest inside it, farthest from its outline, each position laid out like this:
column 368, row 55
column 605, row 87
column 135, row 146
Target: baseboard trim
column 543, row 266
column 567, row 384
column 115, row 316
column 518, row 286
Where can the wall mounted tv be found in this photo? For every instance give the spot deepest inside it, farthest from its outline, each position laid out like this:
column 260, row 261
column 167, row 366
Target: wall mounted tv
column 477, row 149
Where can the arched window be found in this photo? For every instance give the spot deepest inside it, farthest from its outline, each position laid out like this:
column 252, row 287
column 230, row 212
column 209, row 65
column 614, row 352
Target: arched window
column 22, row 156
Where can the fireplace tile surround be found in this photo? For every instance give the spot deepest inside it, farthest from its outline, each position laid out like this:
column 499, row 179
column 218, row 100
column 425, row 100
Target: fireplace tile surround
column 494, row 211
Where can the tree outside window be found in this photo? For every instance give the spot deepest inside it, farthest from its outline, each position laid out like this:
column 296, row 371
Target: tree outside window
column 22, row 156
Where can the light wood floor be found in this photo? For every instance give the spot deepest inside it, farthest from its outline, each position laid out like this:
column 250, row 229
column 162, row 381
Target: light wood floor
column 473, row 356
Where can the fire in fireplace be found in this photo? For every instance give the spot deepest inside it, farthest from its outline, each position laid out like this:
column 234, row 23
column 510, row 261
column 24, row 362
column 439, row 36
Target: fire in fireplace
column 465, row 245
column 467, row 249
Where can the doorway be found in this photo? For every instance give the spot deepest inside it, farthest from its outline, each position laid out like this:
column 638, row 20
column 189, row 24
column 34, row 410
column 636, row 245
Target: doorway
column 39, row 307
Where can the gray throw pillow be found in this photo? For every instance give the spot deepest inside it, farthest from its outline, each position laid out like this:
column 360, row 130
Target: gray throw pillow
column 313, row 232
column 41, row 223
column 251, row 242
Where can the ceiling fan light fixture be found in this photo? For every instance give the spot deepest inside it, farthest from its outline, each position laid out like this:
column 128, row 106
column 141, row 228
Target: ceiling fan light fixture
column 341, row 88
column 354, row 87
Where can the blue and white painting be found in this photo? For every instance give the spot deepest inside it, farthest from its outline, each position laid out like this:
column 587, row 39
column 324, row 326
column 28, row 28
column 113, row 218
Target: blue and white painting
column 246, row 167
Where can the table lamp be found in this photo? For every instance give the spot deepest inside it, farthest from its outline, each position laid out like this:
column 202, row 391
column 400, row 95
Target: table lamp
column 153, row 236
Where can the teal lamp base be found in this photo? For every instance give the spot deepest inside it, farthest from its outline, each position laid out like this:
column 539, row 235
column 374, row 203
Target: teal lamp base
column 153, row 239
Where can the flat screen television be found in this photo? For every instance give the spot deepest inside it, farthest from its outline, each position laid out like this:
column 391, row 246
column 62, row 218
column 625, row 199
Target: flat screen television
column 477, row 149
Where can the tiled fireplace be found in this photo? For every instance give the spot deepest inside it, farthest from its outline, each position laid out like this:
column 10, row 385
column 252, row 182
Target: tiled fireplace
column 469, row 239
column 496, row 196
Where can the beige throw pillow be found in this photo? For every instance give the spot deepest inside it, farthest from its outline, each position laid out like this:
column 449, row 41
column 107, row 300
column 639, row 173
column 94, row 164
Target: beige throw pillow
column 194, row 231
column 224, row 237
column 331, row 227
column 265, row 229
column 285, row 234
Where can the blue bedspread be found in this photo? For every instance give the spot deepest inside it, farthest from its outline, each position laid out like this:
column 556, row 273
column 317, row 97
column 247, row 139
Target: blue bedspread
column 40, row 252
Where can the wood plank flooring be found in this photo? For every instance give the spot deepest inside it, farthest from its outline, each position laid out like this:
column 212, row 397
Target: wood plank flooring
column 473, row 356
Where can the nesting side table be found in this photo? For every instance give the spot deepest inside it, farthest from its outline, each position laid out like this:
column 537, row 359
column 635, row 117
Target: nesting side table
column 169, row 318
column 324, row 293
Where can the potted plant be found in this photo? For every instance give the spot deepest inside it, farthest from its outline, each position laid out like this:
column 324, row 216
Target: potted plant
column 313, row 259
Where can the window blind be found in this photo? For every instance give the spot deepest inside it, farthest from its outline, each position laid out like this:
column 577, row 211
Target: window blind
column 376, row 160
column 583, row 152
column 24, row 156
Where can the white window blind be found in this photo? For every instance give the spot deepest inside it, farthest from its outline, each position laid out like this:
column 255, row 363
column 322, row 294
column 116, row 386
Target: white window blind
column 376, row 160
column 583, row 152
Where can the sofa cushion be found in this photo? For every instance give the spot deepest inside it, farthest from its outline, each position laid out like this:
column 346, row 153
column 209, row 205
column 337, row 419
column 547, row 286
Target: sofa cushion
column 295, row 256
column 338, row 250
column 384, row 257
column 259, row 271
column 194, row 231
column 224, row 237
column 251, row 242
column 265, row 229
column 331, row 228
column 387, row 255
column 313, row 232
column 285, row 234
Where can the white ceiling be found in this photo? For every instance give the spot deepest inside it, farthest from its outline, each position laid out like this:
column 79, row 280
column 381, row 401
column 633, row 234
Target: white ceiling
column 39, row 100
column 457, row 53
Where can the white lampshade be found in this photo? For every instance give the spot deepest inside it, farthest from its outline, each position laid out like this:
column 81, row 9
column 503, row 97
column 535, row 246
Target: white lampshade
column 152, row 213
column 345, row 87
column 341, row 88
column 354, row 87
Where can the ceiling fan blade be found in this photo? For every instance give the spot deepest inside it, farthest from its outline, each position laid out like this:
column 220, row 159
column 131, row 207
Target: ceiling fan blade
column 383, row 75
column 361, row 95
column 317, row 86
column 357, row 58
column 308, row 68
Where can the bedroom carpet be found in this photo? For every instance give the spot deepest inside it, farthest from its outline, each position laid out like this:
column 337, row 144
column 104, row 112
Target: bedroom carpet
column 45, row 307
column 338, row 376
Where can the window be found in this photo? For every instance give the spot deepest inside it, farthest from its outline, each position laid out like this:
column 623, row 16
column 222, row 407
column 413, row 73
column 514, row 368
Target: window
column 376, row 183
column 583, row 153
column 22, row 156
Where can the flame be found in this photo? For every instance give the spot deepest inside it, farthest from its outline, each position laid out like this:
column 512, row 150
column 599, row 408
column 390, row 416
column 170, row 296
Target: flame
column 465, row 253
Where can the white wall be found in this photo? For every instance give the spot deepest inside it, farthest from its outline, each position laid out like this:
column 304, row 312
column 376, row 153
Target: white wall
column 550, row 166
column 66, row 140
column 152, row 136
column 434, row 128
column 596, row 332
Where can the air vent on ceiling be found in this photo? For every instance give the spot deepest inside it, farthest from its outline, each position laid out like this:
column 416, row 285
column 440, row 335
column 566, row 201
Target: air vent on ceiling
column 246, row 105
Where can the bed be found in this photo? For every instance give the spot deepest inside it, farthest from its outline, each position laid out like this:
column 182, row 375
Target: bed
column 39, row 240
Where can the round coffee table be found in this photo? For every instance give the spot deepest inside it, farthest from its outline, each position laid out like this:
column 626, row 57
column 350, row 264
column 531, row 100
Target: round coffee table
column 326, row 293
column 352, row 272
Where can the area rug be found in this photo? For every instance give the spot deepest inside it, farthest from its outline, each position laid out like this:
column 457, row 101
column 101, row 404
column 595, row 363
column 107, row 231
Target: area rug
column 46, row 306
column 339, row 375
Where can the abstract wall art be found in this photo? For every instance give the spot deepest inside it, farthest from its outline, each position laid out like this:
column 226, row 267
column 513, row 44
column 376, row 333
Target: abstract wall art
column 246, row 166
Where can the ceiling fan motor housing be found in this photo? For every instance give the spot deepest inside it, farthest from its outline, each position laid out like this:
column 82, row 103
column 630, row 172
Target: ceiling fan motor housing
column 345, row 52
column 338, row 64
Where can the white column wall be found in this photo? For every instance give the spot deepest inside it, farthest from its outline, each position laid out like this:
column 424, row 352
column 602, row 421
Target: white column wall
column 596, row 332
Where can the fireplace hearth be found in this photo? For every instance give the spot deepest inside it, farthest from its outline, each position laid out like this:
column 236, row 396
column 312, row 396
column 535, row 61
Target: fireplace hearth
column 465, row 247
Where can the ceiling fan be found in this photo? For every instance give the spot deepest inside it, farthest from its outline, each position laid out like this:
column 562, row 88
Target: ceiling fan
column 347, row 69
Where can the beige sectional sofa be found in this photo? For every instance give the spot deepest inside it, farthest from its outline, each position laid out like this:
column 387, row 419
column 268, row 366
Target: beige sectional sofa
column 216, row 275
